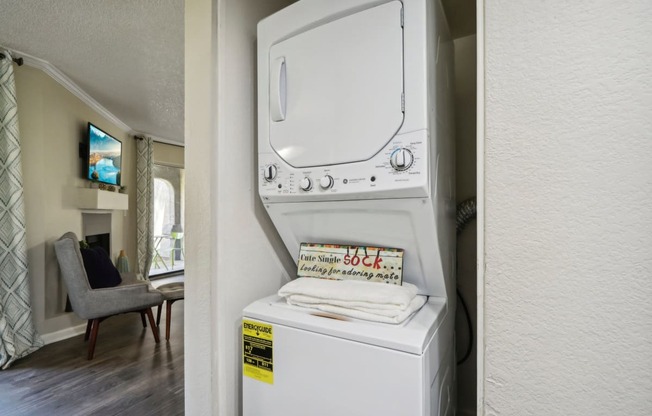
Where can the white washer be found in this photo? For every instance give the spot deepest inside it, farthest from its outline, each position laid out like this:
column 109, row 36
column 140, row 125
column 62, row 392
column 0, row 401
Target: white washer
column 355, row 146
column 328, row 367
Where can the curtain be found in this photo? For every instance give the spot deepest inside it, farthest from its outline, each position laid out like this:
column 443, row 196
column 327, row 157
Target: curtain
column 18, row 336
column 144, row 205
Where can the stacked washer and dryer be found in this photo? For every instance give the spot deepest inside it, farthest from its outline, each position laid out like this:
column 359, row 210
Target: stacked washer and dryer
column 355, row 146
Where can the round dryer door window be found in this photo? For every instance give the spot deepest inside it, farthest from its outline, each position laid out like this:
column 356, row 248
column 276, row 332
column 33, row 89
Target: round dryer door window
column 336, row 90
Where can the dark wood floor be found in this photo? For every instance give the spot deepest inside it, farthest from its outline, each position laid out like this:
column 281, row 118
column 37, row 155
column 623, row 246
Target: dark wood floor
column 130, row 374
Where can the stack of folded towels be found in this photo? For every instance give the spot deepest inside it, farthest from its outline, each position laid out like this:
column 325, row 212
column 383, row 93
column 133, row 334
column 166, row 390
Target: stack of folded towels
column 371, row 301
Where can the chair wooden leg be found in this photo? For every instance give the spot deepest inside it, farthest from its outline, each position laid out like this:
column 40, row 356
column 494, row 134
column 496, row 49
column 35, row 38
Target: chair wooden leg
column 91, row 345
column 168, row 318
column 152, row 323
column 158, row 314
column 142, row 319
column 89, row 324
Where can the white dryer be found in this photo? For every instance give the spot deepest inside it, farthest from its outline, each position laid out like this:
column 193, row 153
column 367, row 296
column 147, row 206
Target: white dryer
column 355, row 146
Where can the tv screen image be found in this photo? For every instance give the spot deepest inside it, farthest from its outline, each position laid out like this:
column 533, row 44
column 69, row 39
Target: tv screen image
column 104, row 156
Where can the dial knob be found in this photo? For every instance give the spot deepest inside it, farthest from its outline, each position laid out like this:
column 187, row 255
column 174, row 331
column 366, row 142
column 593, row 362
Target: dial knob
column 326, row 182
column 305, row 184
column 401, row 159
column 269, row 173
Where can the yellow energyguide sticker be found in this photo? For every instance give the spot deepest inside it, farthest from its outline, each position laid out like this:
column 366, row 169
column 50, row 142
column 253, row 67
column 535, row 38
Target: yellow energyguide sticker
column 258, row 351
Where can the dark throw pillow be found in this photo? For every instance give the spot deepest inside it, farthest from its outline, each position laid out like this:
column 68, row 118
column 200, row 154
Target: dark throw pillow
column 99, row 268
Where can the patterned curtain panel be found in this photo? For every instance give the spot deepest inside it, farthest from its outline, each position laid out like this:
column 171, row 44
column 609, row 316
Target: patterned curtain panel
column 145, row 205
column 18, row 337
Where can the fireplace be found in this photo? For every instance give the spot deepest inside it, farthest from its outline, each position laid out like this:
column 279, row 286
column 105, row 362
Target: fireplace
column 100, row 240
column 96, row 230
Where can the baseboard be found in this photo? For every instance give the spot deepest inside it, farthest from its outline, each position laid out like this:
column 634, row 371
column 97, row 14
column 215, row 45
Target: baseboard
column 56, row 336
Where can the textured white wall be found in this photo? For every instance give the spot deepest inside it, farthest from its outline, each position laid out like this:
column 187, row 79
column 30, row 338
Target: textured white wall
column 200, row 317
column 568, row 232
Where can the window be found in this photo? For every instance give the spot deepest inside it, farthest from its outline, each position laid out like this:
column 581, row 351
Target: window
column 168, row 256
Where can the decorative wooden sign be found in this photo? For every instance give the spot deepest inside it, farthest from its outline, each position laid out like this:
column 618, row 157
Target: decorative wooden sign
column 338, row 262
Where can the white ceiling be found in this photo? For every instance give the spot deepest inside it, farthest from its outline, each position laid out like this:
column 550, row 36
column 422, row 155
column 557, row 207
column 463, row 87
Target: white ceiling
column 127, row 55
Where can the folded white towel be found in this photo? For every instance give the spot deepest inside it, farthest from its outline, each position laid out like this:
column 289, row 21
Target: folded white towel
column 388, row 317
column 359, row 299
column 355, row 292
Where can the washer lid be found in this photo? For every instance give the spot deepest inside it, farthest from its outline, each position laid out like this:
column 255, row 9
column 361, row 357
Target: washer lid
column 336, row 91
column 412, row 336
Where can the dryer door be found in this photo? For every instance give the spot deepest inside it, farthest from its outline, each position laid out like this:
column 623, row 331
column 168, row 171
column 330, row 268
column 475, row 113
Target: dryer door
column 336, row 90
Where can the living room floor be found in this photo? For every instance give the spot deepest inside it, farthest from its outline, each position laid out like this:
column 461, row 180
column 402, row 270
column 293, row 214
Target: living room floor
column 130, row 374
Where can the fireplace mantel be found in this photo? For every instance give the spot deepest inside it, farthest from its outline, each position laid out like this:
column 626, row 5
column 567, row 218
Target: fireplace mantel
column 90, row 198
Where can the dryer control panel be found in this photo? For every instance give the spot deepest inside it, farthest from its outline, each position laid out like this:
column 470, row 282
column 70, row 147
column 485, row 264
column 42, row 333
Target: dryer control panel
column 398, row 170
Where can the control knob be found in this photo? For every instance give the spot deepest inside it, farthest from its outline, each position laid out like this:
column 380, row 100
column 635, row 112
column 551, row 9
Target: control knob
column 401, row 159
column 326, row 182
column 269, row 173
column 305, row 184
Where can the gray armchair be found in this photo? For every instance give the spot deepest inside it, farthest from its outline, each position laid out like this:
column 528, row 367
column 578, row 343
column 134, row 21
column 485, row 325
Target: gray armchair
column 95, row 305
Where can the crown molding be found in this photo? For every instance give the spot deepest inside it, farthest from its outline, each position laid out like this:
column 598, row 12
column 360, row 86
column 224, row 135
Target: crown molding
column 70, row 85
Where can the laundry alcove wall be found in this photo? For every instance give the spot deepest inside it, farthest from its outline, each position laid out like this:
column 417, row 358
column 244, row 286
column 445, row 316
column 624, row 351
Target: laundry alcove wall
column 233, row 253
column 232, row 258
column 466, row 188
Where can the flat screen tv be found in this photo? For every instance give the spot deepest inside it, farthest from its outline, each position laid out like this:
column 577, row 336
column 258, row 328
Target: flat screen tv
column 104, row 156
